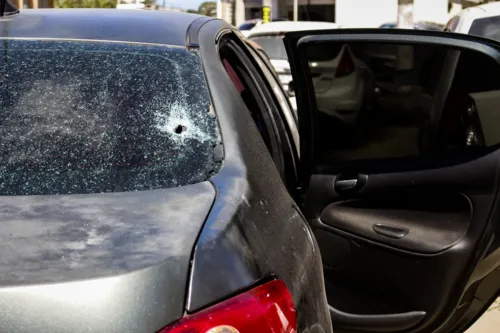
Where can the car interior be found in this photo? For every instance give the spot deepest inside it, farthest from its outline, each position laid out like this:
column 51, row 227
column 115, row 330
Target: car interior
column 397, row 203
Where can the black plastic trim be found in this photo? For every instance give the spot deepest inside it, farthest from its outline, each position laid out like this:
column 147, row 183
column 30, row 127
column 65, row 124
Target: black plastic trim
column 193, row 30
column 376, row 323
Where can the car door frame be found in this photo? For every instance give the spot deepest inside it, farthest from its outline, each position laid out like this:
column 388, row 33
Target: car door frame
column 473, row 295
column 305, row 92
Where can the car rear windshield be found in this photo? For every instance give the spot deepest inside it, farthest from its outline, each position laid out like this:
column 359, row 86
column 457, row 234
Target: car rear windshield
column 272, row 45
column 488, row 27
column 90, row 117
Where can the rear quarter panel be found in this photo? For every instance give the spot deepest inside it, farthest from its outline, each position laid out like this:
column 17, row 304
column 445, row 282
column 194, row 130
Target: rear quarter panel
column 255, row 231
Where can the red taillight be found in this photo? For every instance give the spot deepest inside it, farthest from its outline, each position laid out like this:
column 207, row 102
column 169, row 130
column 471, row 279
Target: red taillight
column 346, row 65
column 266, row 309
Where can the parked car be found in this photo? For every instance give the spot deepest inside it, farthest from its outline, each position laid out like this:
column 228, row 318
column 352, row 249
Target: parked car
column 418, row 26
column 342, row 80
column 343, row 84
column 250, row 24
column 246, row 26
column 482, row 20
column 151, row 181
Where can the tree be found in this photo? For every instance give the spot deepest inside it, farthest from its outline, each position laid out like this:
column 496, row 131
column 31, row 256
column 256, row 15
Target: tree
column 86, row 3
column 208, row 8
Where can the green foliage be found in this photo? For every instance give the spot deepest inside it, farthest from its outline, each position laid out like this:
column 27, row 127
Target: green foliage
column 86, row 3
column 208, row 8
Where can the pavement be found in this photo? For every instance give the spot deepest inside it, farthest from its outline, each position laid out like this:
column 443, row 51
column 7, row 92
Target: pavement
column 489, row 322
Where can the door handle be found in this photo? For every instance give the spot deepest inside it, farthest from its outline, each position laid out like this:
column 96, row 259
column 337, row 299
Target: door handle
column 349, row 183
column 346, row 184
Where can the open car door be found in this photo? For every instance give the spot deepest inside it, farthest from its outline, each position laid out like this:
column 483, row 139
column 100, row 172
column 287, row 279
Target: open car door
column 400, row 158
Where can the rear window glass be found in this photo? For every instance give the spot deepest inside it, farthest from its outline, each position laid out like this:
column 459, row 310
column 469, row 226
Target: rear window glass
column 488, row 27
column 273, row 46
column 90, row 117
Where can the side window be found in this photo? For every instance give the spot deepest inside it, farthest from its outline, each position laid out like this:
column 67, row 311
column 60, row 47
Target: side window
column 261, row 100
column 385, row 101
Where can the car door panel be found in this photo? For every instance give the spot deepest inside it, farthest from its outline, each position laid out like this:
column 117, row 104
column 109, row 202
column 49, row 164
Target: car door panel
column 403, row 241
column 407, row 222
column 442, row 227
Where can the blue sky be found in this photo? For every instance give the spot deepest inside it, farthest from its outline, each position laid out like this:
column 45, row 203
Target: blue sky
column 185, row 4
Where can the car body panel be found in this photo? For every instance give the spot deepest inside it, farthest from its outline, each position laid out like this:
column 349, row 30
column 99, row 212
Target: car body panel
column 281, row 27
column 255, row 230
column 109, row 262
column 60, row 238
column 105, row 262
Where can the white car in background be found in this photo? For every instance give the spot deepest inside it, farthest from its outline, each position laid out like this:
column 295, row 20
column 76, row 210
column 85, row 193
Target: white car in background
column 247, row 26
column 342, row 86
column 340, row 83
column 482, row 20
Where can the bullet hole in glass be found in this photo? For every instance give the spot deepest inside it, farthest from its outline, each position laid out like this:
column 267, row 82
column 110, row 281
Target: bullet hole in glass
column 116, row 123
column 179, row 129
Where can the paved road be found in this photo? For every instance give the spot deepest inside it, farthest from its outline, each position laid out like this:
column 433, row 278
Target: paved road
column 489, row 322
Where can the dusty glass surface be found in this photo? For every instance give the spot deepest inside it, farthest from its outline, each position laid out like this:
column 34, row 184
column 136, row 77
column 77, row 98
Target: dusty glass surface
column 85, row 117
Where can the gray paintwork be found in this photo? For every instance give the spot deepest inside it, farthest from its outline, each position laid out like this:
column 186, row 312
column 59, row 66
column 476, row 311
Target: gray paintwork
column 98, row 238
column 113, row 262
column 141, row 26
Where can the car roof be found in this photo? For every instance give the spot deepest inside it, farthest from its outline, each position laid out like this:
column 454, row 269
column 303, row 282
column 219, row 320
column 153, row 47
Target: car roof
column 140, row 26
column 286, row 26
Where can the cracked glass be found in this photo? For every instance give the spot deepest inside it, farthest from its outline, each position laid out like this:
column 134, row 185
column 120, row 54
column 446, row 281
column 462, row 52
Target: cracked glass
column 90, row 117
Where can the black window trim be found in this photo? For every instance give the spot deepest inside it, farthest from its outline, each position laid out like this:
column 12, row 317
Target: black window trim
column 228, row 40
column 290, row 147
column 285, row 154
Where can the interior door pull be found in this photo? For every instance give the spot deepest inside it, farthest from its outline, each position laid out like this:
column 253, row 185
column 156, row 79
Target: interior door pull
column 349, row 183
column 390, row 230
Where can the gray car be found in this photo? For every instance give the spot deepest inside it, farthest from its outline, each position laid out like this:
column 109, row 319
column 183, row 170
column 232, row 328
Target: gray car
column 154, row 179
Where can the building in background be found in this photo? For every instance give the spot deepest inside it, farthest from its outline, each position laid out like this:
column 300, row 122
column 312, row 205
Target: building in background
column 129, row 4
column 348, row 13
column 34, row 3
